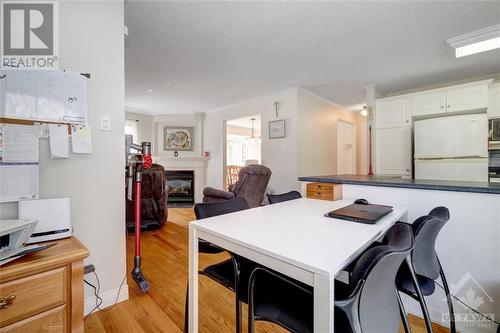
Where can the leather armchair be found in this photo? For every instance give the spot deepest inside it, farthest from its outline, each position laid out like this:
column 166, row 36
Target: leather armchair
column 251, row 185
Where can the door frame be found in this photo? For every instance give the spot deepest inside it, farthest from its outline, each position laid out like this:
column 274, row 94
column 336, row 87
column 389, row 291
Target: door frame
column 355, row 151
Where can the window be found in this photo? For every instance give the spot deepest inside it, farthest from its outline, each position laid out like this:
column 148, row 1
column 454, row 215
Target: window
column 240, row 149
column 131, row 129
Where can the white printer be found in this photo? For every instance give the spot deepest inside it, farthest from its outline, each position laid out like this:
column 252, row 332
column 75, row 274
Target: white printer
column 53, row 215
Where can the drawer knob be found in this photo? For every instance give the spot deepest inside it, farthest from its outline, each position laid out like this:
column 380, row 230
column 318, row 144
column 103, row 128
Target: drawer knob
column 7, row 301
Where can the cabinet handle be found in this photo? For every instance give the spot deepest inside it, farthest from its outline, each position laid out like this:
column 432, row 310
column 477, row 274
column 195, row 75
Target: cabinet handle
column 442, row 106
column 7, row 301
column 449, row 106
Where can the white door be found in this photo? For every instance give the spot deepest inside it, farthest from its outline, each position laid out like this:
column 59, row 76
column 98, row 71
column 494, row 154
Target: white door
column 346, row 148
column 457, row 136
column 467, row 98
column 469, row 169
column 428, row 103
column 392, row 112
column 393, row 146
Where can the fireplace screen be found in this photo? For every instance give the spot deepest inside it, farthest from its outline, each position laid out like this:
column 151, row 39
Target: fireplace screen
column 180, row 186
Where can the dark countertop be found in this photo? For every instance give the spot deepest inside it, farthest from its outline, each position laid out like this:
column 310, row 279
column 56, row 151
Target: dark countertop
column 437, row 185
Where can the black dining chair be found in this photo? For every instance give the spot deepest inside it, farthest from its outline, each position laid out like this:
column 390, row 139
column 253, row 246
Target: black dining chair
column 227, row 272
column 418, row 274
column 368, row 304
column 276, row 198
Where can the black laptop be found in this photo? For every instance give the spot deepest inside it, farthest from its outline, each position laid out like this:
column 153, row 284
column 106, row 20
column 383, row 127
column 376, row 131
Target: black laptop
column 368, row 214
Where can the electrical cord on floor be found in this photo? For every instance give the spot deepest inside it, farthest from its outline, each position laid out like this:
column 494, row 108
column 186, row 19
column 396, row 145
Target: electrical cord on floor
column 98, row 299
column 473, row 310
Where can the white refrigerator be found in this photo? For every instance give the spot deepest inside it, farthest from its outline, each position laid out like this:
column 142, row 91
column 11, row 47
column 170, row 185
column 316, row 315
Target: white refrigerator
column 452, row 148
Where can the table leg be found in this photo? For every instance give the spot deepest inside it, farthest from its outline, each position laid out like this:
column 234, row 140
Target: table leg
column 193, row 280
column 323, row 304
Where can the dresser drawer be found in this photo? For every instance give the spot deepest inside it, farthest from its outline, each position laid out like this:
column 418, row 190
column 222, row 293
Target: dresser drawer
column 33, row 294
column 51, row 321
column 324, row 191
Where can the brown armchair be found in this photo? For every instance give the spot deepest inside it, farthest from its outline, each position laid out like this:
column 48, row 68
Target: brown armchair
column 251, row 185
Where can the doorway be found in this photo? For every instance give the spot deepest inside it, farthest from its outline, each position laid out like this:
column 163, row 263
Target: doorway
column 242, row 145
column 346, row 148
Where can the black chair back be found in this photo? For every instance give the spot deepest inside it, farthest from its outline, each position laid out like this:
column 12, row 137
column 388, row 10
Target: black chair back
column 205, row 210
column 426, row 230
column 276, row 198
column 376, row 269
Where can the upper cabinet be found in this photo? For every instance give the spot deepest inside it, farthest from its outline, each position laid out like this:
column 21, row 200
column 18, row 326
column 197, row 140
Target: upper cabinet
column 428, row 103
column 467, row 98
column 460, row 98
column 393, row 112
column 494, row 101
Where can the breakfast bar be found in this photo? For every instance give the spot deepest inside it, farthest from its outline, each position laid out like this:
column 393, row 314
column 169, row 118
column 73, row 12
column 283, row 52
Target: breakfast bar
column 468, row 246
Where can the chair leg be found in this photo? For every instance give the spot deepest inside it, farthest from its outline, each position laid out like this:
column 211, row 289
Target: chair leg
column 421, row 300
column 236, row 267
column 186, row 313
column 404, row 316
column 251, row 316
column 449, row 300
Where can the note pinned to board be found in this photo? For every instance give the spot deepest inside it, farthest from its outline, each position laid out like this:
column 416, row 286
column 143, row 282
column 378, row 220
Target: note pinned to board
column 58, row 139
column 18, row 181
column 18, row 143
column 81, row 139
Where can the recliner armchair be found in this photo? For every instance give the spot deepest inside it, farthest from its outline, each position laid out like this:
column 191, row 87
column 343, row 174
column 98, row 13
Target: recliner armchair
column 251, row 185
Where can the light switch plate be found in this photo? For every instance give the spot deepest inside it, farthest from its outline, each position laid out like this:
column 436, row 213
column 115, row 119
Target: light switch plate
column 105, row 122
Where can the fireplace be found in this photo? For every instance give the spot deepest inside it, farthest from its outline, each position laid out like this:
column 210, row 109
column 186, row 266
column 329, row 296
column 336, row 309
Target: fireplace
column 180, row 187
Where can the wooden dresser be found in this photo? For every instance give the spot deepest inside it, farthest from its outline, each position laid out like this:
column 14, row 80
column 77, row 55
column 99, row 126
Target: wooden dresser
column 43, row 292
column 324, row 191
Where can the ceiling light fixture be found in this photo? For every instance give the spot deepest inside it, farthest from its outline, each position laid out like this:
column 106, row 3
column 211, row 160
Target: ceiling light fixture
column 476, row 42
column 364, row 111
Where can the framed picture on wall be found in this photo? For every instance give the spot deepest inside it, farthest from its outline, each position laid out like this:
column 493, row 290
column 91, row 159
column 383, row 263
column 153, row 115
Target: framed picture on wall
column 178, row 138
column 277, row 129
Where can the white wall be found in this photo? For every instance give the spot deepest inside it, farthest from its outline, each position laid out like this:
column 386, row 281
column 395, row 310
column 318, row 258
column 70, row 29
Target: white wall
column 145, row 126
column 91, row 40
column 317, row 125
column 280, row 155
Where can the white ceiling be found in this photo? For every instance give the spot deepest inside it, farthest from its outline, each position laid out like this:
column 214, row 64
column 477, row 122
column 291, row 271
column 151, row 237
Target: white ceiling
column 197, row 56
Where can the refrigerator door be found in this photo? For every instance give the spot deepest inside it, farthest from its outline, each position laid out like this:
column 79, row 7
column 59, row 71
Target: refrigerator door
column 467, row 169
column 456, row 136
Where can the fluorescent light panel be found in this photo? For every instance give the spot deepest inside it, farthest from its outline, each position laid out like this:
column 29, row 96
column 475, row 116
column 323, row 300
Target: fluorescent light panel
column 476, row 42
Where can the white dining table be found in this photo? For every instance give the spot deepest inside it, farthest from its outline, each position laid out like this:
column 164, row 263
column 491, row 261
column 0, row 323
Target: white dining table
column 293, row 238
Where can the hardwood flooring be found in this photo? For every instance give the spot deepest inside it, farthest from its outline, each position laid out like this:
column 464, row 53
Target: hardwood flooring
column 165, row 257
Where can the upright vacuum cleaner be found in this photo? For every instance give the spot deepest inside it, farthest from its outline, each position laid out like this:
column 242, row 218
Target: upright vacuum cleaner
column 135, row 163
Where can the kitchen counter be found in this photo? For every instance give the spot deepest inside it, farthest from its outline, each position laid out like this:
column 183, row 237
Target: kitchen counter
column 437, row 185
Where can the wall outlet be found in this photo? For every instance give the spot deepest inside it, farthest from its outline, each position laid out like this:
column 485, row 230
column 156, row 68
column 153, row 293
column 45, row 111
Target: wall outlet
column 88, row 269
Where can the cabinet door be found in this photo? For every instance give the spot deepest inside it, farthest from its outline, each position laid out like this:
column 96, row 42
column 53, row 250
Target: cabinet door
column 394, row 151
column 392, row 112
column 428, row 103
column 494, row 105
column 467, row 98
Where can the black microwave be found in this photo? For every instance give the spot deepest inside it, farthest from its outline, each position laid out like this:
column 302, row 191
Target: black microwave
column 494, row 128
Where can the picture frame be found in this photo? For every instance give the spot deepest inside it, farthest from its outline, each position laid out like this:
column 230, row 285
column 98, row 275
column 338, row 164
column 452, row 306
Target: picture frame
column 178, row 138
column 277, row 129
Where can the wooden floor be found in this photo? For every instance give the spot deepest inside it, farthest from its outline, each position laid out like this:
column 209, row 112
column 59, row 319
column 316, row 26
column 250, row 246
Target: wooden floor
column 165, row 257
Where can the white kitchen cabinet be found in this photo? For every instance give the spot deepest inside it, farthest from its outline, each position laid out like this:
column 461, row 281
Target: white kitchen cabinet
column 393, row 147
column 392, row 112
column 467, row 98
column 427, row 103
column 494, row 101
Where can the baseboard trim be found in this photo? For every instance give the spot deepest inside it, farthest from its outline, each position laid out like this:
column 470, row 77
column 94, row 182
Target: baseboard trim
column 108, row 299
